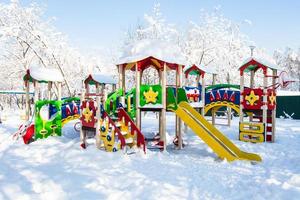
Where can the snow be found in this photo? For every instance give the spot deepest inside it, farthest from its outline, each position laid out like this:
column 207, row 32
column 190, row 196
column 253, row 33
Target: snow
column 56, row 168
column 287, row 93
column 262, row 61
column 106, row 79
column 159, row 49
column 209, row 70
column 46, row 74
column 196, row 104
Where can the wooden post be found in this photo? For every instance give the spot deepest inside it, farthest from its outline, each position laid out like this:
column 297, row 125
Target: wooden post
column 178, row 120
column 274, row 111
column 213, row 116
column 203, row 95
column 49, row 90
column 138, row 84
column 97, row 125
column 214, row 79
column 82, row 135
column 229, row 115
column 251, row 86
column 265, row 101
column 27, row 104
column 59, row 91
column 122, row 78
column 36, row 91
column 120, row 71
column 241, row 97
column 164, row 103
column 104, row 95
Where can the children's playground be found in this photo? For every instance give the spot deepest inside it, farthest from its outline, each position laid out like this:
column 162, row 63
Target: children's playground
column 177, row 139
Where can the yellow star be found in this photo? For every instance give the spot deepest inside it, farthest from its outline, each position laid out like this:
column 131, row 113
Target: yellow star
column 252, row 98
column 272, row 99
column 150, row 96
column 87, row 113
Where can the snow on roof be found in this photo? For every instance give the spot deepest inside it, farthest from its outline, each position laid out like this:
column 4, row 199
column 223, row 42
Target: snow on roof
column 104, row 79
column 262, row 61
column 159, row 49
column 46, row 74
column 209, row 70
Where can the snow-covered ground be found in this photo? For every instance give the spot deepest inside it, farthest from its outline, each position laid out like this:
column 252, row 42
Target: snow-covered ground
column 56, row 168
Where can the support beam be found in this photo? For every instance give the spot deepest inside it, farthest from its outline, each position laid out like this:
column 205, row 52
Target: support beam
column 27, row 103
column 49, row 90
column 274, row 111
column 203, row 94
column 241, row 97
column 59, row 91
column 138, row 85
column 36, row 91
column 178, row 120
column 164, row 103
column 265, row 106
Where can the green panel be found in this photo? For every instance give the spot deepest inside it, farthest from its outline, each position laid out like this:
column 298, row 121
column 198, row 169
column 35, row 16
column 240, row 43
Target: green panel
column 181, row 95
column 45, row 128
column 146, row 88
column 68, row 100
column 171, row 100
column 289, row 105
column 220, row 86
column 132, row 95
column 113, row 97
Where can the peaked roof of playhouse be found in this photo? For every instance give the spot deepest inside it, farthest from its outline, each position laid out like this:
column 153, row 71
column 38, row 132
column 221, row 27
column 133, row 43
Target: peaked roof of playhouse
column 100, row 79
column 198, row 70
column 149, row 61
column 42, row 74
column 253, row 64
column 147, row 52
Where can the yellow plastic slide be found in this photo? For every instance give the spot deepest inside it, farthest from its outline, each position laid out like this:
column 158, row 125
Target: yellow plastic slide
column 219, row 143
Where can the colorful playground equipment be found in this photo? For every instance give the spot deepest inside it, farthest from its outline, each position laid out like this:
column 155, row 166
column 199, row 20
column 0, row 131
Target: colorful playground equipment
column 49, row 115
column 258, row 103
column 114, row 131
column 114, row 119
column 161, row 98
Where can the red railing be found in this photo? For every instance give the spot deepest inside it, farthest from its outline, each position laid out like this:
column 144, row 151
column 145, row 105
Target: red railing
column 122, row 115
column 117, row 131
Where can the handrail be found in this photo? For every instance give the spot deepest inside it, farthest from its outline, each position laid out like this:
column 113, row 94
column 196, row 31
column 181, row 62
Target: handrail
column 122, row 114
column 119, row 134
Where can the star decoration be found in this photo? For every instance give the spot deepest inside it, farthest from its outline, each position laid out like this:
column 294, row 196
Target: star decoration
column 87, row 113
column 150, row 96
column 252, row 98
column 272, row 99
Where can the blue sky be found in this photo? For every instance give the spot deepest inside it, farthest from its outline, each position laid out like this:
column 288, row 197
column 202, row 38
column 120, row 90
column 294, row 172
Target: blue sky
column 98, row 24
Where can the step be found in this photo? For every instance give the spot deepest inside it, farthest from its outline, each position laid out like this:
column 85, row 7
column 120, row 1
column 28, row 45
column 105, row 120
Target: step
column 129, row 140
column 124, row 132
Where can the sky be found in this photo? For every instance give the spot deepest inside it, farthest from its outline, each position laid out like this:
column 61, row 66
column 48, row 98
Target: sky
column 101, row 24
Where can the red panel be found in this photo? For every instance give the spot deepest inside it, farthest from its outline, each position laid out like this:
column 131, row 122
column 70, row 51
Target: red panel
column 269, row 138
column 91, row 105
column 257, row 104
column 271, row 94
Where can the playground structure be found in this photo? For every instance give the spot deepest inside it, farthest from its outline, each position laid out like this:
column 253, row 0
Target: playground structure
column 112, row 132
column 162, row 98
column 258, row 103
column 214, row 97
column 115, row 118
column 49, row 114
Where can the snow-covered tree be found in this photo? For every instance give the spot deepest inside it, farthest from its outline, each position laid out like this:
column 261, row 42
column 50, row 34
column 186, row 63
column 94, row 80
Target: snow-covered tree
column 154, row 37
column 289, row 59
column 26, row 40
column 217, row 42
